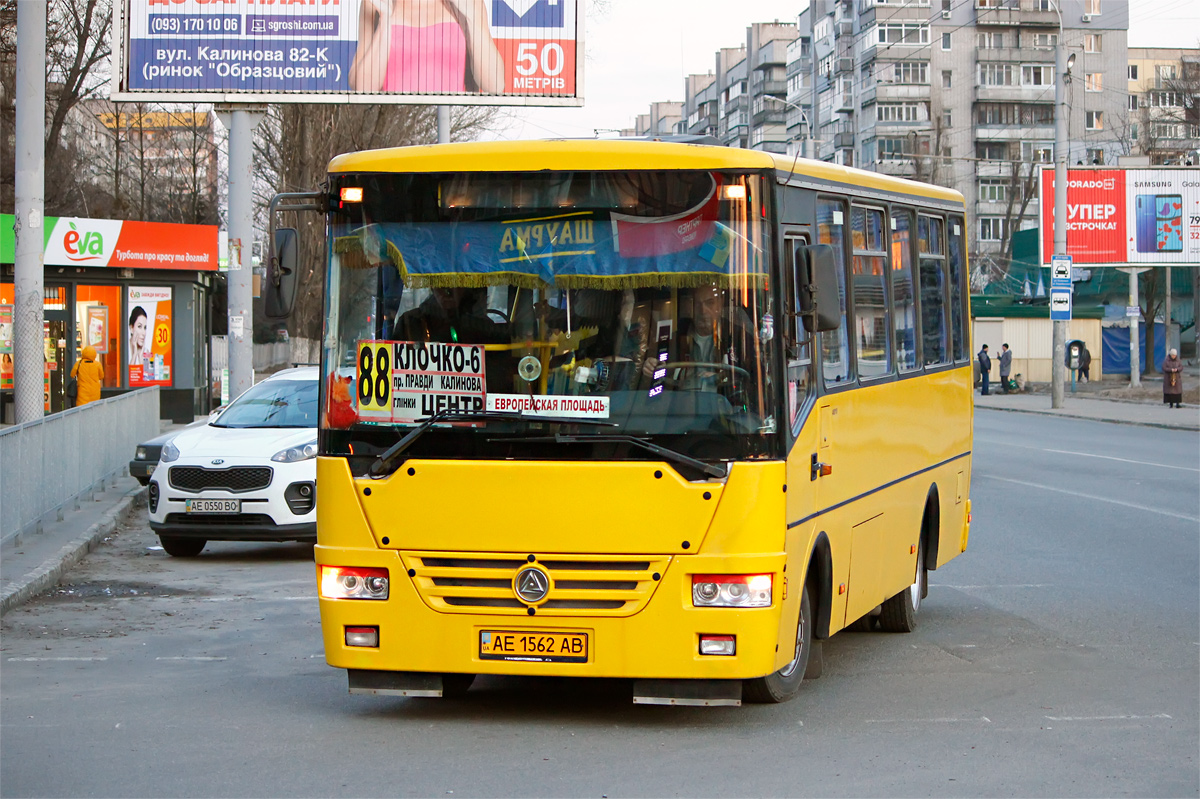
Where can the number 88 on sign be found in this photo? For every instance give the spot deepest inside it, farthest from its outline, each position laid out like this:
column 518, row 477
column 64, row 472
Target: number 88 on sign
column 373, row 381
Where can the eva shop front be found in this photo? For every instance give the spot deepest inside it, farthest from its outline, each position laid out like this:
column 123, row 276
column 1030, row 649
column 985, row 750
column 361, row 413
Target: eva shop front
column 138, row 292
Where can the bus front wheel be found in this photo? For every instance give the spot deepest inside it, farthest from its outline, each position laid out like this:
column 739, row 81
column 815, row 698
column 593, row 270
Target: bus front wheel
column 785, row 683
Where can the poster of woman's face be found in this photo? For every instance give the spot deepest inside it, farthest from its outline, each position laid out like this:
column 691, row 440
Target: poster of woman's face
column 148, row 336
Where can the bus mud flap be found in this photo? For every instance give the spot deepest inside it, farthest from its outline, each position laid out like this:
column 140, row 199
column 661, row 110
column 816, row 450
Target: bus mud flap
column 704, row 693
column 395, row 683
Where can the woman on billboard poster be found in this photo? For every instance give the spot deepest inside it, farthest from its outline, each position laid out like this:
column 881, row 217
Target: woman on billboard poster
column 426, row 47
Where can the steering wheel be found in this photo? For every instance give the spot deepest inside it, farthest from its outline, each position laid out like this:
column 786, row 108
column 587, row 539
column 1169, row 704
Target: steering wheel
column 733, row 370
column 498, row 312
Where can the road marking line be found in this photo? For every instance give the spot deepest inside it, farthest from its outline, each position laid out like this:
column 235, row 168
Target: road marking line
column 1108, row 718
column 1002, row 585
column 983, row 719
column 200, row 658
column 1133, row 505
column 39, row 660
column 1122, row 460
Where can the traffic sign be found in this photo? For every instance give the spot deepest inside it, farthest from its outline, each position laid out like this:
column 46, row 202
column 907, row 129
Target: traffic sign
column 1060, row 272
column 1060, row 305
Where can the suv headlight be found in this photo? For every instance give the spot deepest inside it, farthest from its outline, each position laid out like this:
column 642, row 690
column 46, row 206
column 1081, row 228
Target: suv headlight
column 141, row 454
column 169, row 453
column 294, row 454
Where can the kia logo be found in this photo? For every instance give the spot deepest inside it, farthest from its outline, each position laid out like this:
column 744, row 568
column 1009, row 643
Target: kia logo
column 218, row 461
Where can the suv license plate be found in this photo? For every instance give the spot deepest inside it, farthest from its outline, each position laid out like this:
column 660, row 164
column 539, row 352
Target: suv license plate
column 213, row 506
column 533, row 647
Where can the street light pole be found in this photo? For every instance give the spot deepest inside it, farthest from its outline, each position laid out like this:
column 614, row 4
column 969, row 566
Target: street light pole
column 1058, row 365
column 804, row 124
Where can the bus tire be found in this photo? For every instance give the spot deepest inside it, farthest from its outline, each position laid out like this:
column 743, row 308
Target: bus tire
column 455, row 686
column 182, row 547
column 785, row 683
column 899, row 614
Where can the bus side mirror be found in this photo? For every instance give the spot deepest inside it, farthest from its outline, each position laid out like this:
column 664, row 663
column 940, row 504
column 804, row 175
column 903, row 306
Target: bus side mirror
column 818, row 280
column 280, row 289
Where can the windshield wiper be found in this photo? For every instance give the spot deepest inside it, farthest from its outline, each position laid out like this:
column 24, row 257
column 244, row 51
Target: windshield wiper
column 646, row 444
column 383, row 464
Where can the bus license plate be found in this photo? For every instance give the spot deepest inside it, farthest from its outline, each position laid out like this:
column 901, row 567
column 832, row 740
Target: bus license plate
column 213, row 506
column 533, row 647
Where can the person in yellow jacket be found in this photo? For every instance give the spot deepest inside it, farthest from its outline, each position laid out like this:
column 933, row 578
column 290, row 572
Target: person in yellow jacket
column 89, row 373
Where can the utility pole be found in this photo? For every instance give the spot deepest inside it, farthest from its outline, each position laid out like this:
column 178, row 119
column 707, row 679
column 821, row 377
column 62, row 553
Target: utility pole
column 1058, row 365
column 240, row 121
column 29, row 205
column 443, row 124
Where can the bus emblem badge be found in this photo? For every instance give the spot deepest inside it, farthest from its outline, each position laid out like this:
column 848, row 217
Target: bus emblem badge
column 532, row 585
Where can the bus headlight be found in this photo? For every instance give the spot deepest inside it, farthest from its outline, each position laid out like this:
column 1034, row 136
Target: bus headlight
column 731, row 590
column 347, row 582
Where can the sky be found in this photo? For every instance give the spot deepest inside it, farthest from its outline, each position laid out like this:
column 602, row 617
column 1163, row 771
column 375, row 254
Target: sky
column 638, row 52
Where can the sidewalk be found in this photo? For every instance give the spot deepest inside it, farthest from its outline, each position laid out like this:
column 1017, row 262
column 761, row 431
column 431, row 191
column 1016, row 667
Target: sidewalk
column 35, row 562
column 1080, row 406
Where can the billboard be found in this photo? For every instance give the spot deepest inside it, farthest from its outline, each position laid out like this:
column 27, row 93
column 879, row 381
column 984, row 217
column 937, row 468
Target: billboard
column 149, row 335
column 1139, row 217
column 465, row 52
column 75, row 241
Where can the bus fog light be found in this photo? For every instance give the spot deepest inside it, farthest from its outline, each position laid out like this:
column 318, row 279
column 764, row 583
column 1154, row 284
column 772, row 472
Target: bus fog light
column 718, row 645
column 362, row 636
column 731, row 590
column 349, row 582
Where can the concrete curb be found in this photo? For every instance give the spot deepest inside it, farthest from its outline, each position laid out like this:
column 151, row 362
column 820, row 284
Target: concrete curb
column 1068, row 415
column 52, row 570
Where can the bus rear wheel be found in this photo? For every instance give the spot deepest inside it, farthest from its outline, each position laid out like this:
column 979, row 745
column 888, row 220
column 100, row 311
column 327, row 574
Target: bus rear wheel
column 899, row 614
column 785, row 683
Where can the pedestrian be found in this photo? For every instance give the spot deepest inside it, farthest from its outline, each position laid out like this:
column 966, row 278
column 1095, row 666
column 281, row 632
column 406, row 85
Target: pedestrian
column 1005, row 367
column 1085, row 363
column 88, row 373
column 985, row 366
column 1172, row 369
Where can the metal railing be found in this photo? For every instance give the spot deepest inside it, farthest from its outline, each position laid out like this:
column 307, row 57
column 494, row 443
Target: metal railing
column 48, row 465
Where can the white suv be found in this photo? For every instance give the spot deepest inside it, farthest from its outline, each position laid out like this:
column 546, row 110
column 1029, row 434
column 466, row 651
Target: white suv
column 247, row 475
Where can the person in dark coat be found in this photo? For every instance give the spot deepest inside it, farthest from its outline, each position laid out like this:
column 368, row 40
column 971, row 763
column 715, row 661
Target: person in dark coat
column 1085, row 363
column 1172, row 369
column 985, row 366
column 1005, row 367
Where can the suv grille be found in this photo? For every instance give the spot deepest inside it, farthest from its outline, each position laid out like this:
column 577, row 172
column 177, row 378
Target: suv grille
column 236, row 478
column 580, row 585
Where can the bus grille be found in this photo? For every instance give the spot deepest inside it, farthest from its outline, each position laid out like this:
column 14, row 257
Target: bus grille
column 580, row 585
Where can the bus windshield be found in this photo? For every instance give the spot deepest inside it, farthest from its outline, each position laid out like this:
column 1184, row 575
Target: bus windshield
column 616, row 305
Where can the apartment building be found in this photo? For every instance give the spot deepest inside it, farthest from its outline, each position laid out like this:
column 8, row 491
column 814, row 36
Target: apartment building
column 1164, row 104
column 954, row 92
column 662, row 120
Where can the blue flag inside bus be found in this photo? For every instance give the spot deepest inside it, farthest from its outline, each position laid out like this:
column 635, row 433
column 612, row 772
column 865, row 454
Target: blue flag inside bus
column 574, row 250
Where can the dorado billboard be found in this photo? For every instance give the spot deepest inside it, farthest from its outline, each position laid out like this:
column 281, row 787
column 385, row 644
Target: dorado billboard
column 493, row 52
column 1141, row 217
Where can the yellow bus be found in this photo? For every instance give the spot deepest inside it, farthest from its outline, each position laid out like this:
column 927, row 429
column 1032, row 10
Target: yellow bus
column 635, row 409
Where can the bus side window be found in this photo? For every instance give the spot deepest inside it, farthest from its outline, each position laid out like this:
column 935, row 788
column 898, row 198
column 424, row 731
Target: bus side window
column 872, row 325
column 904, row 303
column 797, row 349
column 935, row 338
column 959, row 294
column 835, row 344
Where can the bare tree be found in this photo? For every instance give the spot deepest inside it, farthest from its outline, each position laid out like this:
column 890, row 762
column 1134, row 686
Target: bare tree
column 1150, row 297
column 1022, row 188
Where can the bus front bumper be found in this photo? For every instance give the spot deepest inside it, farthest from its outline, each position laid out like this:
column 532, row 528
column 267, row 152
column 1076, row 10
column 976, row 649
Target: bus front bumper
column 659, row 641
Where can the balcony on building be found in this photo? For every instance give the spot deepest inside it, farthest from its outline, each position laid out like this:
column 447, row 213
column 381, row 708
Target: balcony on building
column 768, row 113
column 1014, row 94
column 869, row 13
column 900, row 167
column 1016, row 55
column 1014, row 132
column 772, row 54
column 893, row 129
column 992, row 169
column 884, row 92
column 1010, row 13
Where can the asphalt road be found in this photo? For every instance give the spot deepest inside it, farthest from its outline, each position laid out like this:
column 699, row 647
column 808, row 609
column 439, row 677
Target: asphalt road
column 1060, row 656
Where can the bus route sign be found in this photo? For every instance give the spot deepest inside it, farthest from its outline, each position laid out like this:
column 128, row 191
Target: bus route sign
column 404, row 381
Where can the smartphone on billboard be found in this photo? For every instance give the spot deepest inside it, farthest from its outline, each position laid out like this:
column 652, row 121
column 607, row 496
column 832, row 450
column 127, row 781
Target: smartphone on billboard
column 1145, row 222
column 1169, row 222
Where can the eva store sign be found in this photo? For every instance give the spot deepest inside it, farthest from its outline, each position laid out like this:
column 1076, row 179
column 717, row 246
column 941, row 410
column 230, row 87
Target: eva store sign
column 87, row 242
